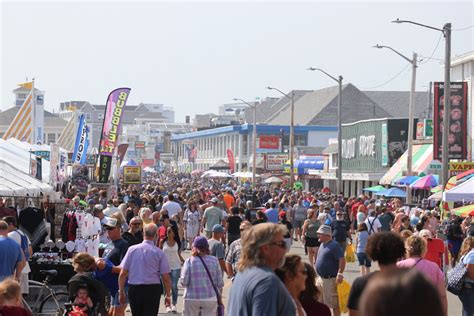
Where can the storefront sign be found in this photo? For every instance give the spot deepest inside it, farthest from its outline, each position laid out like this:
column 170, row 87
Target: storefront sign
column 42, row 154
column 275, row 161
column 365, row 146
column 457, row 138
column 459, row 167
column 139, row 145
column 268, row 142
column 132, row 175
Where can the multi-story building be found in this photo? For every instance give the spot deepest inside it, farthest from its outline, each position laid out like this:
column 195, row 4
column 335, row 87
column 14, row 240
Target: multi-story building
column 132, row 115
column 53, row 124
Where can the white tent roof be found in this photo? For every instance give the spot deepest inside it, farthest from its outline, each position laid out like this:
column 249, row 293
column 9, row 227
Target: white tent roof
column 16, row 154
column 462, row 192
column 31, row 184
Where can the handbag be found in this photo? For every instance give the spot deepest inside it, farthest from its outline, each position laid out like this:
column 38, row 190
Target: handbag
column 220, row 305
column 455, row 278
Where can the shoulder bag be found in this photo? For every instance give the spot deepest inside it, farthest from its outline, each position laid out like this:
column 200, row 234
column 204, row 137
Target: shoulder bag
column 220, row 305
column 455, row 278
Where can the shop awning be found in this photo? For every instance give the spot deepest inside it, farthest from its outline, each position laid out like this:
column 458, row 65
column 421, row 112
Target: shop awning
column 422, row 157
column 307, row 164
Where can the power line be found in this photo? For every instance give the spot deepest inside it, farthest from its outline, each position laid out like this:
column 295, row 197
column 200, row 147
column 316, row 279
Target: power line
column 434, row 50
column 388, row 81
column 465, row 28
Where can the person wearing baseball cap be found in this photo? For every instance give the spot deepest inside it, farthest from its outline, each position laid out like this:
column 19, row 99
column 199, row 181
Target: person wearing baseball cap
column 212, row 216
column 216, row 247
column 330, row 265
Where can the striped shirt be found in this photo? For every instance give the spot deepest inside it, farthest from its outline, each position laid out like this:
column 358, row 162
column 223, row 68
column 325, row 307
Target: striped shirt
column 195, row 279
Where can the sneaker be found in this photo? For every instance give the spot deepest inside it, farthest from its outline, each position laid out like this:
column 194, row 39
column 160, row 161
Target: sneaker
column 168, row 309
column 173, row 309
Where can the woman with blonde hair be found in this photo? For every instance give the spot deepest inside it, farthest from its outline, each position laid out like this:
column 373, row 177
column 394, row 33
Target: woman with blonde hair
column 310, row 235
column 466, row 296
column 10, row 298
column 416, row 248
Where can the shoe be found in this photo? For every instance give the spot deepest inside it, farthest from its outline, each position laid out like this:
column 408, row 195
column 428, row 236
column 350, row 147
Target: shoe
column 173, row 309
column 168, row 309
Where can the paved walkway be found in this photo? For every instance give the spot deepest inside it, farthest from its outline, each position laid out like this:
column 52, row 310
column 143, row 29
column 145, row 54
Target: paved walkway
column 352, row 272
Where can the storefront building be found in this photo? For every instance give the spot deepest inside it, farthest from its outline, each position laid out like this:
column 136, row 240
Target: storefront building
column 369, row 149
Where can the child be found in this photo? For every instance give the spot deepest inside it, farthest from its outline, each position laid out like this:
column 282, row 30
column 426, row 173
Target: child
column 361, row 242
column 82, row 297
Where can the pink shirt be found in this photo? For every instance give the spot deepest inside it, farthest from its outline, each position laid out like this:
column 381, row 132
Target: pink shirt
column 430, row 269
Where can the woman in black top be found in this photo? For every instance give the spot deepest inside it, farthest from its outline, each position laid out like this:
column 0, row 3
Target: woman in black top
column 233, row 225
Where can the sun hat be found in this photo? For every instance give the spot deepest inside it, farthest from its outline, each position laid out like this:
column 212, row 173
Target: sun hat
column 325, row 230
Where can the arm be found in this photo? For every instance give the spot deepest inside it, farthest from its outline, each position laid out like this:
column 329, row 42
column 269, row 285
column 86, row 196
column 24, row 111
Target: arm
column 229, row 270
column 305, row 226
column 19, row 267
column 340, row 271
column 223, row 266
column 89, row 303
column 167, row 284
column 122, row 278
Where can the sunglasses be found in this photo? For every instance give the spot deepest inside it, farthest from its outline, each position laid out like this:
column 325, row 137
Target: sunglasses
column 339, row 214
column 109, row 228
column 281, row 244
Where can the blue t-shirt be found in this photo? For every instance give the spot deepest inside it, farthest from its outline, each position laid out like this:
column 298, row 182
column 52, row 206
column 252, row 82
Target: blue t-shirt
column 116, row 251
column 272, row 215
column 106, row 276
column 327, row 263
column 258, row 291
column 339, row 230
column 10, row 255
column 468, row 259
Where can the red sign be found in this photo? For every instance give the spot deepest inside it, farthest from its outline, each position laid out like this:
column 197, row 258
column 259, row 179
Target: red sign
column 230, row 156
column 269, row 142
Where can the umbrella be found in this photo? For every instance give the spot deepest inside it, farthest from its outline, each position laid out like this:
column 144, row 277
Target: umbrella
column 437, row 188
column 427, row 182
column 451, row 183
column 196, row 172
column 437, row 196
column 244, row 174
column 464, row 211
column 376, row 188
column 407, row 180
column 392, row 192
column 219, row 174
column 468, row 173
column 273, row 180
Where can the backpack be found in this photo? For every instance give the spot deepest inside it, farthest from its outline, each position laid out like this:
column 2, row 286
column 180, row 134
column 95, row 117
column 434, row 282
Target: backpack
column 24, row 245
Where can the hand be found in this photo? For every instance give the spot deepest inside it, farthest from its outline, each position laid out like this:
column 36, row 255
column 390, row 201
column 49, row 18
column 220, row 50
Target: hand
column 167, row 300
column 339, row 278
column 122, row 297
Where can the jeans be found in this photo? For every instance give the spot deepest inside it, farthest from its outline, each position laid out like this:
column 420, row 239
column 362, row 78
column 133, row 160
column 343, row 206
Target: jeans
column 467, row 300
column 175, row 274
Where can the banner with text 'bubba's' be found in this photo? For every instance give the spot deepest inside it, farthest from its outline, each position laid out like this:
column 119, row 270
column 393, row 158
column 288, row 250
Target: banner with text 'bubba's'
column 110, row 130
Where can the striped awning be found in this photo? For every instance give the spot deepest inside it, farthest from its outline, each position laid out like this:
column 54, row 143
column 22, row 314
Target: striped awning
column 422, row 157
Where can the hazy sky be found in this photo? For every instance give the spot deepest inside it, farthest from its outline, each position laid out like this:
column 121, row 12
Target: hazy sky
column 195, row 56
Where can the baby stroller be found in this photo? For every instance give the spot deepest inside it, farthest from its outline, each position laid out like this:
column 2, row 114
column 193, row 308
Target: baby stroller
column 96, row 291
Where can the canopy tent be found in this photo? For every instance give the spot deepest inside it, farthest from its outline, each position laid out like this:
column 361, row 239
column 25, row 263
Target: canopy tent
column 244, row 174
column 31, row 184
column 376, row 188
column 127, row 163
column 426, row 182
column 14, row 153
column 406, row 180
column 437, row 196
column 303, row 165
column 215, row 174
column 461, row 192
column 220, row 165
column 422, row 158
column 465, row 174
column 464, row 211
column 273, row 180
column 392, row 192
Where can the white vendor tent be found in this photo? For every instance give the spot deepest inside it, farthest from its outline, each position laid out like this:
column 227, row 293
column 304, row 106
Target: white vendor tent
column 17, row 155
column 33, row 186
column 461, row 192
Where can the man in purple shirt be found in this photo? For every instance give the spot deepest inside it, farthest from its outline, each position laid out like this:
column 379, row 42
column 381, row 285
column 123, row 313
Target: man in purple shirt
column 143, row 265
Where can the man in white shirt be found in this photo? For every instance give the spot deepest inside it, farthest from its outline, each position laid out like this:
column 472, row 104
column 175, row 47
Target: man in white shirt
column 173, row 208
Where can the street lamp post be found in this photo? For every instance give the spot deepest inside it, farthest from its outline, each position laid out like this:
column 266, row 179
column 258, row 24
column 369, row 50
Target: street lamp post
column 446, row 30
column 339, row 128
column 254, row 138
column 410, row 113
column 292, row 134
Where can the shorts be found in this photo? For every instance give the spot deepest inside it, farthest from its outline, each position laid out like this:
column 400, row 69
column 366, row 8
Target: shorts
column 364, row 261
column 115, row 300
column 329, row 291
column 297, row 223
column 312, row 242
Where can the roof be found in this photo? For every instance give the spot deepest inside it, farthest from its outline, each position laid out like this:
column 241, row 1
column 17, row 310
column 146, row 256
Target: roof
column 21, row 89
column 320, row 107
column 7, row 116
column 331, row 149
column 461, row 59
column 397, row 102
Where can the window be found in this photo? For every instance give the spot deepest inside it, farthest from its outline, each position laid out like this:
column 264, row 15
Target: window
column 334, row 161
column 88, row 117
column 100, row 116
column 51, row 138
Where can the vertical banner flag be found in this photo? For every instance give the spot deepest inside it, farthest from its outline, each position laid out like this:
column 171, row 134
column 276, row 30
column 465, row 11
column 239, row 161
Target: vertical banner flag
column 230, row 156
column 82, row 142
column 457, row 138
column 110, row 130
column 54, row 164
column 22, row 126
column 121, row 151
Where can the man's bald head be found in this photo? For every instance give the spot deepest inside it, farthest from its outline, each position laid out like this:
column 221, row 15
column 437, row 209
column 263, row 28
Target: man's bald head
column 149, row 230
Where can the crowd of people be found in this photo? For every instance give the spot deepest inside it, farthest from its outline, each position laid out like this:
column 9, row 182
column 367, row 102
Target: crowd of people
column 233, row 232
